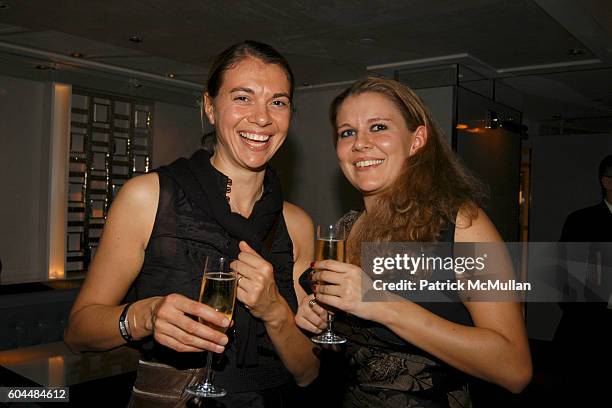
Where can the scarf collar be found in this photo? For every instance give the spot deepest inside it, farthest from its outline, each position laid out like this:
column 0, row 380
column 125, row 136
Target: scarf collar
column 254, row 229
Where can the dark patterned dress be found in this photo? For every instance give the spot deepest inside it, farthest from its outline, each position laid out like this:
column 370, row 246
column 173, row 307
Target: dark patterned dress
column 383, row 370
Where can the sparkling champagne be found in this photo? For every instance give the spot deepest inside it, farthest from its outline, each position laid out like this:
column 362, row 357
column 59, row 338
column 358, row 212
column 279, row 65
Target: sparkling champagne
column 329, row 249
column 219, row 292
column 329, row 245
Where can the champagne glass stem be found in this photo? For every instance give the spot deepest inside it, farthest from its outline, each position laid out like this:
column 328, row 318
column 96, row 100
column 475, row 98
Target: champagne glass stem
column 330, row 320
column 208, row 372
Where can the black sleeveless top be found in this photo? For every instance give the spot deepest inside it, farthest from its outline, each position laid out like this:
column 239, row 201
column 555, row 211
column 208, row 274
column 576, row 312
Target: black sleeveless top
column 384, row 370
column 186, row 230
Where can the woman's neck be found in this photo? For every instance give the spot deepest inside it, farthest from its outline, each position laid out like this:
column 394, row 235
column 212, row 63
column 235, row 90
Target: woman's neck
column 369, row 201
column 246, row 185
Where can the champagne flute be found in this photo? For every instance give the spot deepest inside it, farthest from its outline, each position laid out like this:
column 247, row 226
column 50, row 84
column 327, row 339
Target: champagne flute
column 218, row 290
column 329, row 245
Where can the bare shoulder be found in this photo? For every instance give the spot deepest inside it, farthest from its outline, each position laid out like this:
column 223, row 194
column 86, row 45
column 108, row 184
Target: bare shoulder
column 296, row 218
column 135, row 207
column 140, row 190
column 473, row 225
column 301, row 230
column 124, row 239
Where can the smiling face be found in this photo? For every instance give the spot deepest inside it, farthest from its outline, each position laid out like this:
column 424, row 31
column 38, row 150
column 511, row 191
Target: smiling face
column 250, row 113
column 374, row 141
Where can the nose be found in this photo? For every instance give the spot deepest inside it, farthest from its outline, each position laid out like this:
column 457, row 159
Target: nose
column 362, row 142
column 260, row 115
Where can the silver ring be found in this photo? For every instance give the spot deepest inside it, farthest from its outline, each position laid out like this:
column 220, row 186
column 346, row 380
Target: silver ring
column 312, row 302
column 238, row 281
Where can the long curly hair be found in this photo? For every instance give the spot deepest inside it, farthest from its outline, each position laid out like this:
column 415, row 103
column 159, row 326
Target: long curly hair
column 431, row 188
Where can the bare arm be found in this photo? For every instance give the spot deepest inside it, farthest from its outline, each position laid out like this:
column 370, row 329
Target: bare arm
column 93, row 322
column 294, row 348
column 496, row 349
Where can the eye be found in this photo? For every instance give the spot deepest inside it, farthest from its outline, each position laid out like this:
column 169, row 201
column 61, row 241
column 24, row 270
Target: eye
column 241, row 98
column 346, row 133
column 377, row 127
column 280, row 103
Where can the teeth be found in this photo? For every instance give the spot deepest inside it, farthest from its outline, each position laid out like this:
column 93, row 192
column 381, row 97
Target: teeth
column 367, row 163
column 252, row 136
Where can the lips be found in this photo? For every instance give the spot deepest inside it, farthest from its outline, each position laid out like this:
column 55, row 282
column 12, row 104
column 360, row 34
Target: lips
column 366, row 163
column 254, row 136
column 255, row 141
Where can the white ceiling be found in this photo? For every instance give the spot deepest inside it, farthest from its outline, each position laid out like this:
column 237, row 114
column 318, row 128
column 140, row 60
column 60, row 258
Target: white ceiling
column 328, row 41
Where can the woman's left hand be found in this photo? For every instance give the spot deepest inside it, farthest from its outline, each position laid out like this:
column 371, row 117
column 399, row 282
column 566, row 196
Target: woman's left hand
column 256, row 285
column 342, row 287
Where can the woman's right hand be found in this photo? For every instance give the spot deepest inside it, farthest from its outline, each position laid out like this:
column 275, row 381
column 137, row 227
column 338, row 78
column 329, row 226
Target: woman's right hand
column 172, row 327
column 311, row 316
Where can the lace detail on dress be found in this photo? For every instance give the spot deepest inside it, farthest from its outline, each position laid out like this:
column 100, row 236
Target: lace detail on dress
column 396, row 371
column 348, row 220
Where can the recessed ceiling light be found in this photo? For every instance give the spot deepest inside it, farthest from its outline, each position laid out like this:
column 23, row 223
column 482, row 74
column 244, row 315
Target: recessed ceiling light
column 77, row 55
column 576, row 51
column 135, row 39
column 367, row 41
column 171, row 75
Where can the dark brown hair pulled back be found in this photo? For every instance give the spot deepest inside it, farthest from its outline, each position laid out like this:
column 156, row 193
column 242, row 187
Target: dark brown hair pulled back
column 231, row 56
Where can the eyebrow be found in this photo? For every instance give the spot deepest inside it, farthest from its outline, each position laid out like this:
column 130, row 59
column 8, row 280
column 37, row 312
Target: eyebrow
column 369, row 121
column 242, row 89
column 250, row 91
column 281, row 95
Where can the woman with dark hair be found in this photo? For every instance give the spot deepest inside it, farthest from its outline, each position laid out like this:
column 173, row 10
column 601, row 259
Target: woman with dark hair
column 401, row 352
column 164, row 224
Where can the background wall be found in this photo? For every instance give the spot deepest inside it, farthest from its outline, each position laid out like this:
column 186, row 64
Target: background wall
column 25, row 176
column 564, row 179
column 307, row 161
column 24, row 154
column 494, row 156
column 439, row 101
column 176, row 132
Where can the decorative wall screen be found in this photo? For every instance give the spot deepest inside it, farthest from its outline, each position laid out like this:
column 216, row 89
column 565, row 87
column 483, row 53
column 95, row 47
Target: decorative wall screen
column 110, row 142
